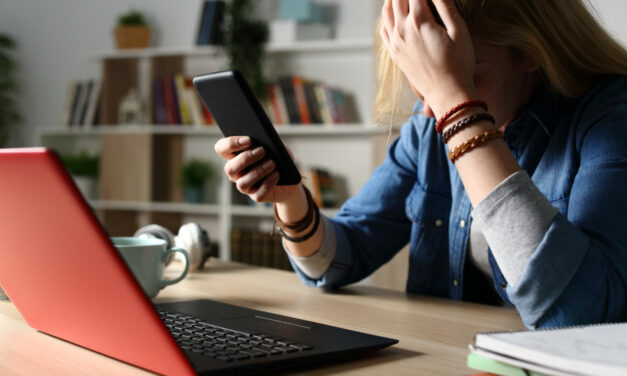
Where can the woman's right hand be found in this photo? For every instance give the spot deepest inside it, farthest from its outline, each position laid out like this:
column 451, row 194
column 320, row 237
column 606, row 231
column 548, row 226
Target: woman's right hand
column 259, row 182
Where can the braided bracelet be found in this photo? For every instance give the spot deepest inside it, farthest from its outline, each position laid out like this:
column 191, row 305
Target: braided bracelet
column 474, row 142
column 450, row 132
column 472, row 103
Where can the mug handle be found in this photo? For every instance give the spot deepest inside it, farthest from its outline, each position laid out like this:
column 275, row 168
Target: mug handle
column 164, row 258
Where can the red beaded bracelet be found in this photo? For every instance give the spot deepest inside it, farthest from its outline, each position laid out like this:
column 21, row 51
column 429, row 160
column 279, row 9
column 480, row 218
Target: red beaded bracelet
column 456, row 109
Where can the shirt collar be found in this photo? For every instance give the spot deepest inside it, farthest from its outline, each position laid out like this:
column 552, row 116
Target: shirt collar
column 543, row 109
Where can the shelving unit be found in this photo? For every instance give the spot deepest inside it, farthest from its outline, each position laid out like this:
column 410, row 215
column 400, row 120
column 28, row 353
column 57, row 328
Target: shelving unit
column 137, row 162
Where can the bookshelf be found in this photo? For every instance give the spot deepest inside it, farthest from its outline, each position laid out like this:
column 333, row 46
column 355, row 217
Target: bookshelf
column 140, row 163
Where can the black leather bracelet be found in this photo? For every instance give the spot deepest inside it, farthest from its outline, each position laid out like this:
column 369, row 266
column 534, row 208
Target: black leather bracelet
column 307, row 235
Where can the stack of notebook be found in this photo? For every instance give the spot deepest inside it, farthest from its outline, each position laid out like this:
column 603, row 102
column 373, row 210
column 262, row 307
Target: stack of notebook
column 585, row 350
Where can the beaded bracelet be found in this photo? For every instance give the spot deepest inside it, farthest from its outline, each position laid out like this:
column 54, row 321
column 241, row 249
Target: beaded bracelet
column 471, row 103
column 450, row 132
column 474, row 142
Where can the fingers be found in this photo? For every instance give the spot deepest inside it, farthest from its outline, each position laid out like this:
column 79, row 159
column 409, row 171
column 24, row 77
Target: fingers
column 400, row 8
column 449, row 14
column 387, row 14
column 263, row 192
column 237, row 165
column 248, row 183
column 228, row 147
column 420, row 11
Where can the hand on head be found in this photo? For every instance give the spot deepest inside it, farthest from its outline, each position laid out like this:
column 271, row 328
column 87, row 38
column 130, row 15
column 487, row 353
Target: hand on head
column 437, row 60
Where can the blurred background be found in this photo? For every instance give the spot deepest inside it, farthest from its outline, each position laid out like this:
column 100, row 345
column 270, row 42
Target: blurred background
column 107, row 85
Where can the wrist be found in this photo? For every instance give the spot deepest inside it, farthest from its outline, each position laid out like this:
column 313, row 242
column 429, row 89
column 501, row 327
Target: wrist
column 441, row 105
column 294, row 207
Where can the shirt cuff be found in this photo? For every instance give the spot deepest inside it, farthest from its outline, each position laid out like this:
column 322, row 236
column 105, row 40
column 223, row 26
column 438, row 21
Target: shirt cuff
column 316, row 264
column 514, row 218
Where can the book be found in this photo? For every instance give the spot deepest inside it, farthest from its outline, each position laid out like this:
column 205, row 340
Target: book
column 195, row 105
column 583, row 350
column 287, row 31
column 273, row 104
column 79, row 98
column 182, row 99
column 324, row 105
column 210, row 25
column 289, row 95
column 93, row 104
column 480, row 363
column 301, row 100
column 320, row 183
column 312, row 103
column 236, row 244
column 70, row 102
column 217, row 33
column 169, row 100
column 159, row 111
column 82, row 111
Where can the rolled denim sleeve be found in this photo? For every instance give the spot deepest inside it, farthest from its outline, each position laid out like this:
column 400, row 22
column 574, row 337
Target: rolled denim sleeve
column 372, row 226
column 578, row 273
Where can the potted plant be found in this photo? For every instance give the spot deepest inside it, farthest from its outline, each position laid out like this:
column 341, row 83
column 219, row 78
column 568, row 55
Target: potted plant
column 193, row 177
column 245, row 41
column 132, row 31
column 8, row 88
column 84, row 170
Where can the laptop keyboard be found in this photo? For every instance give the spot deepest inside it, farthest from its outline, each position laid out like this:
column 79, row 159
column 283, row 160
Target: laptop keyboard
column 228, row 345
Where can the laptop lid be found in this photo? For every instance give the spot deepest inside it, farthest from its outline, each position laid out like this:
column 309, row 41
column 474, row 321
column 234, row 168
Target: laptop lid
column 63, row 274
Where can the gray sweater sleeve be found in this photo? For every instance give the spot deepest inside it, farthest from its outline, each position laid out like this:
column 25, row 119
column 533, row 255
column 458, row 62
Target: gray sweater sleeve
column 514, row 218
column 315, row 265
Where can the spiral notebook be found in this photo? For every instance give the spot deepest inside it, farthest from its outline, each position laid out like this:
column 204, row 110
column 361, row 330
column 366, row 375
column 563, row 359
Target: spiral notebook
column 583, row 350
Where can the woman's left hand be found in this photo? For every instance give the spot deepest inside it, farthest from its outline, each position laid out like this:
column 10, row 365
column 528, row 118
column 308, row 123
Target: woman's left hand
column 437, row 60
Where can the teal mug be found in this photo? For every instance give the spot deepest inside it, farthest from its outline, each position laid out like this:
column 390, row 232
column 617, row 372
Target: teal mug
column 146, row 258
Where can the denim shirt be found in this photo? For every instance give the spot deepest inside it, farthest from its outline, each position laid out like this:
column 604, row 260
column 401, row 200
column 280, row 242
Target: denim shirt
column 575, row 151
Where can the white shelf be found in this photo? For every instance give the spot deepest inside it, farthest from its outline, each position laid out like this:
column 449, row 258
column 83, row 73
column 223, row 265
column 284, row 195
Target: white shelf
column 286, row 130
column 263, row 212
column 302, row 46
column 197, row 209
column 165, row 207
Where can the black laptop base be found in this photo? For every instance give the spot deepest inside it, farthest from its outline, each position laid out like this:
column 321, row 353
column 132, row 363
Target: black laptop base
column 221, row 338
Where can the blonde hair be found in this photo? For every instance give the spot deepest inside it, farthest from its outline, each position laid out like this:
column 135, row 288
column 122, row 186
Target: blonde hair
column 562, row 37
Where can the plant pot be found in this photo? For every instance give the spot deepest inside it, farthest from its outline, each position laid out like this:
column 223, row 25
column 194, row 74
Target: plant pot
column 132, row 36
column 193, row 194
column 87, row 185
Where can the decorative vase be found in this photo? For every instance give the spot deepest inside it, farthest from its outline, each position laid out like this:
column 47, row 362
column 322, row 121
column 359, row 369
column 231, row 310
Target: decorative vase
column 194, row 194
column 131, row 36
column 87, row 185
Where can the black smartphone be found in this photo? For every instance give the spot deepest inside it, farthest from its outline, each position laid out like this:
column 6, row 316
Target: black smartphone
column 237, row 112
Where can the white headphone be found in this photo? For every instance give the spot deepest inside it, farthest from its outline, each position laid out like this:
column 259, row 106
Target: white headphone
column 191, row 237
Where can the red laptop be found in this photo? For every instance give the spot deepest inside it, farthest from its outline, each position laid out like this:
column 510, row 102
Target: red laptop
column 59, row 268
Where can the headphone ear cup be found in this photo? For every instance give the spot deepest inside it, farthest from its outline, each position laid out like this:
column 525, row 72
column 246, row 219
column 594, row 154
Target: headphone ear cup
column 157, row 232
column 195, row 240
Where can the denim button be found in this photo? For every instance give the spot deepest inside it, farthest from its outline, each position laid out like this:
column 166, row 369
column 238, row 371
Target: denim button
column 462, row 223
column 503, row 285
column 438, row 222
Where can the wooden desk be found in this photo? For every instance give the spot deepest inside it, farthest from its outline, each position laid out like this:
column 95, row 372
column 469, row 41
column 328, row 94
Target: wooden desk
column 434, row 333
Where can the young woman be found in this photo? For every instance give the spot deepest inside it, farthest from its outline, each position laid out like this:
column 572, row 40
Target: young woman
column 509, row 178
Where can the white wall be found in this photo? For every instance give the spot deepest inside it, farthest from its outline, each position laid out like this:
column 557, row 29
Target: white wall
column 56, row 36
